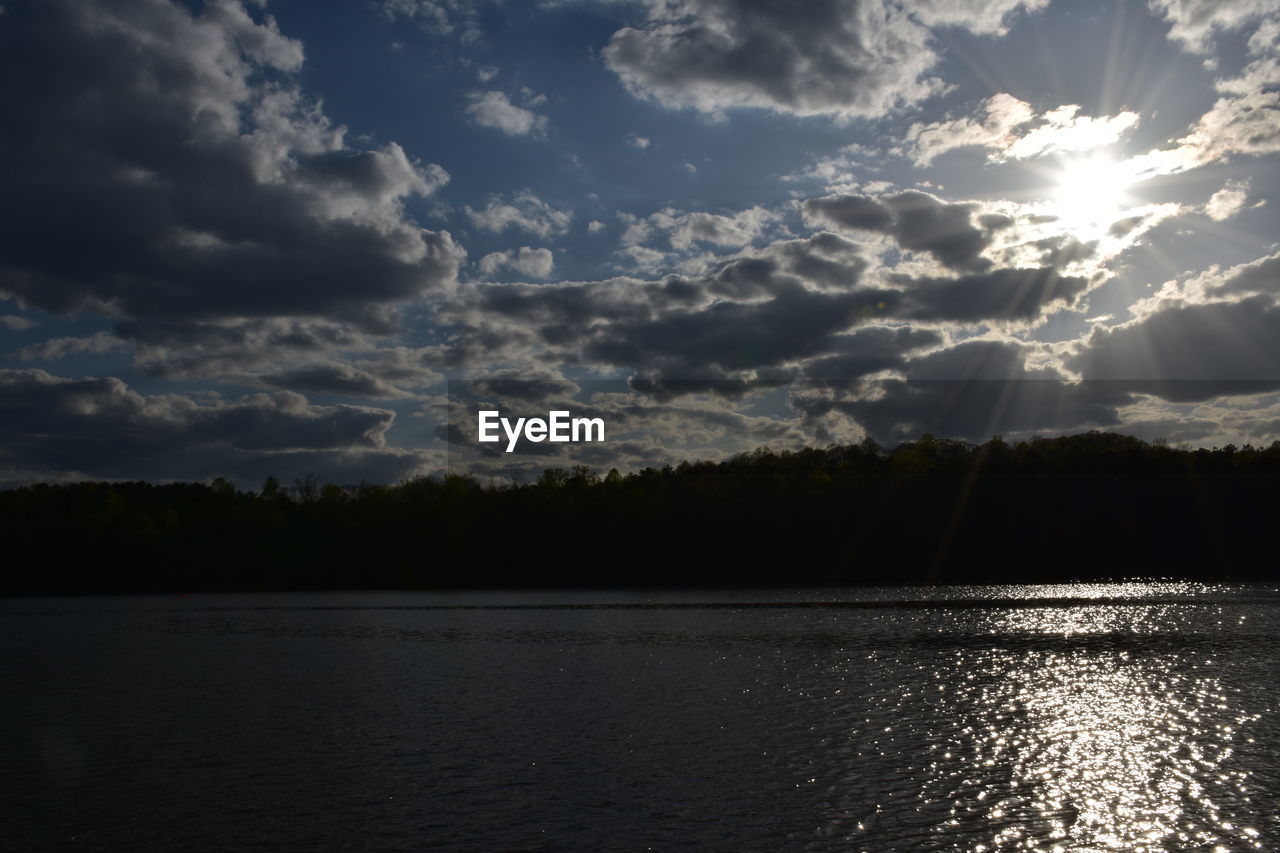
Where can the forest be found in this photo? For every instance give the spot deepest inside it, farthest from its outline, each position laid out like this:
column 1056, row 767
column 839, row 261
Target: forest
column 1083, row 507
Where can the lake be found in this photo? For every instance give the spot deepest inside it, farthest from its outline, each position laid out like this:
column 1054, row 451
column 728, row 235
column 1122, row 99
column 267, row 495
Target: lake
column 1127, row 717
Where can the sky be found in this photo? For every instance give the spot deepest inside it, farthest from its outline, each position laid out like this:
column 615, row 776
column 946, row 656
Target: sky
column 251, row 239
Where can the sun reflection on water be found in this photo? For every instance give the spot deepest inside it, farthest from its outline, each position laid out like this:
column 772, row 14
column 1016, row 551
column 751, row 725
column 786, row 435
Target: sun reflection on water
column 1083, row 743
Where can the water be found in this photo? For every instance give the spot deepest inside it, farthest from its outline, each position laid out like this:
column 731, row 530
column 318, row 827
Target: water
column 1121, row 717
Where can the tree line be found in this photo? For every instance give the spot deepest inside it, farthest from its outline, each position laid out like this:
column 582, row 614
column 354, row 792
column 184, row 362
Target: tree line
column 1084, row 507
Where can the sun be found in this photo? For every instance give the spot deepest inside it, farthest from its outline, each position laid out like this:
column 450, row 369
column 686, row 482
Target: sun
column 1091, row 190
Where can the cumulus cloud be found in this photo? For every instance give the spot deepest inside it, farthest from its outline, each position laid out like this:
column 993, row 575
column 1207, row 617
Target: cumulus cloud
column 1196, row 22
column 683, row 229
column 1012, row 130
column 1003, row 294
column 1244, row 121
column 1003, row 112
column 224, row 195
column 778, row 312
column 869, row 351
column 1197, row 351
column 842, row 58
column 955, row 234
column 535, row 263
column 1228, row 201
column 99, row 427
column 1213, row 335
column 672, row 239
column 525, row 212
column 494, row 109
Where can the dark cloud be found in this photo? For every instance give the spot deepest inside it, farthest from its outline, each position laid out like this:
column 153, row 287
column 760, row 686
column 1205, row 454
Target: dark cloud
column 1123, row 227
column 52, row 349
column 1172, row 429
column 977, row 359
column 1191, row 352
column 769, row 313
column 1218, row 340
column 917, row 221
column 1004, row 294
column 840, row 57
column 1261, row 276
column 1063, row 250
column 663, row 389
column 177, row 349
column 796, row 323
column 868, row 351
column 330, row 378
column 99, row 427
column 519, row 386
column 221, row 194
column 970, row 391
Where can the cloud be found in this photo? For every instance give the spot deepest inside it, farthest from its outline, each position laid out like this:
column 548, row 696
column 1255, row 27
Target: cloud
column 1228, row 201
column 331, row 377
column 1195, row 23
column 683, row 229
column 837, row 171
column 494, row 109
column 223, row 196
column 674, row 321
column 101, row 428
column 55, row 348
column 678, row 240
column 437, row 16
column 178, row 349
column 535, row 263
column 979, row 16
column 406, row 367
column 1245, row 120
column 1064, row 130
column 1213, row 335
column 917, row 221
column 970, row 391
column 796, row 323
column 841, row 58
column 1003, row 294
column 15, row 323
column 1058, row 130
column 925, row 142
column 635, row 141
column 870, row 350
column 1218, row 341
column 525, row 212
column 773, row 312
